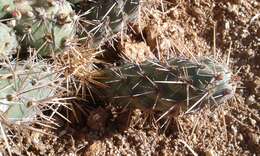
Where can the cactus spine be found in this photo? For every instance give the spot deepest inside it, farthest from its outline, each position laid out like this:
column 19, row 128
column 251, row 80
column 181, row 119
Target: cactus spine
column 47, row 27
column 27, row 89
column 161, row 86
column 8, row 42
column 106, row 17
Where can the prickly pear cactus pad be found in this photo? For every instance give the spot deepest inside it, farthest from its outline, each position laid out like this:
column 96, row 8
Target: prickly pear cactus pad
column 8, row 42
column 26, row 90
column 107, row 17
column 48, row 27
column 5, row 7
column 162, row 86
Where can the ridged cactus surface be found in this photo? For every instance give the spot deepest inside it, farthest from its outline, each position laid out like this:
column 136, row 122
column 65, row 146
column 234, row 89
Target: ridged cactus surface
column 105, row 18
column 26, row 90
column 161, row 86
column 8, row 42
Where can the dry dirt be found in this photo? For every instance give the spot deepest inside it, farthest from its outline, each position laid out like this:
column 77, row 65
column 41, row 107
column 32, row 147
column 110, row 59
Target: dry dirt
column 181, row 28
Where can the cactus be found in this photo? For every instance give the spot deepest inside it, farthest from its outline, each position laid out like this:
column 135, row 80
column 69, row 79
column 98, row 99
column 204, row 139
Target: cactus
column 5, row 7
column 48, row 27
column 161, row 86
column 9, row 6
column 8, row 42
column 27, row 89
column 106, row 17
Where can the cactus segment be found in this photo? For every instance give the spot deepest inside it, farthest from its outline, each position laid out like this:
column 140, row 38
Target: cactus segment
column 9, row 6
column 25, row 90
column 8, row 42
column 158, row 86
column 49, row 28
column 24, row 7
column 5, row 7
column 107, row 17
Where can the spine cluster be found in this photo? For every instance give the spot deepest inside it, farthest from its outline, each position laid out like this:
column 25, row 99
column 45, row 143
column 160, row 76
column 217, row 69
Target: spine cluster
column 26, row 90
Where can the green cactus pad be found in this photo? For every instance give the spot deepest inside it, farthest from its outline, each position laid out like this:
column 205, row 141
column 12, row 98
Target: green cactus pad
column 107, row 17
column 5, row 7
column 49, row 28
column 22, row 7
column 8, row 42
column 25, row 90
column 161, row 86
